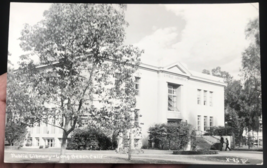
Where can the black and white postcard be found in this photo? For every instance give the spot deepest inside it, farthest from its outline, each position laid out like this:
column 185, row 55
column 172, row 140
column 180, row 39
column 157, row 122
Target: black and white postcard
column 134, row 83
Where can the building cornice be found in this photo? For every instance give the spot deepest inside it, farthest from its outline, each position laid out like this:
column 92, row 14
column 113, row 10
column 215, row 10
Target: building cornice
column 187, row 75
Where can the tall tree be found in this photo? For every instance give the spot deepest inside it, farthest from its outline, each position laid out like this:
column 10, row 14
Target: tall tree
column 232, row 101
column 82, row 48
column 219, row 73
column 251, row 71
column 19, row 103
column 244, row 97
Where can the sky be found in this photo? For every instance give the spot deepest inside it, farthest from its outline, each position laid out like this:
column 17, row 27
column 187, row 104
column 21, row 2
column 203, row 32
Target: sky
column 203, row 36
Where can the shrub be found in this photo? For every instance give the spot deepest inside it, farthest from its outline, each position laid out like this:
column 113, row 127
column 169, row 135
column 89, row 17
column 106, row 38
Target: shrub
column 145, row 146
column 193, row 140
column 219, row 131
column 216, row 146
column 20, row 146
column 72, row 146
column 41, row 147
column 170, row 136
column 46, row 146
column 89, row 139
column 198, row 152
column 28, row 141
column 93, row 144
column 15, row 133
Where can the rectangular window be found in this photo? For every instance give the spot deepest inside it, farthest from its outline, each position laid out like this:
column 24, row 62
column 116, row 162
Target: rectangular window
column 172, row 97
column 198, row 96
column 205, row 123
column 211, row 121
column 211, row 97
column 198, row 122
column 205, row 97
column 137, row 85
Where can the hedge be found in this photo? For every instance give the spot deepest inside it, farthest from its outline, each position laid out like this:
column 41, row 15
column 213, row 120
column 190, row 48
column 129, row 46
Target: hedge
column 200, row 152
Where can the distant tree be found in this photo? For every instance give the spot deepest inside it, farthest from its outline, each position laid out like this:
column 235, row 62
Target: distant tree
column 233, row 109
column 223, row 74
column 15, row 133
column 243, row 98
column 19, row 103
column 81, row 46
column 251, row 72
column 228, row 79
column 205, row 71
column 251, row 107
column 233, row 121
column 233, row 95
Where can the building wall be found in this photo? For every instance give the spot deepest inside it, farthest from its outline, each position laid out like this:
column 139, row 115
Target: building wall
column 41, row 134
column 194, row 109
column 147, row 98
column 152, row 101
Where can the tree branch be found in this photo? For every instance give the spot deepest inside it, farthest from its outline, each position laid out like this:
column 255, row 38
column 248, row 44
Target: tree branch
column 73, row 125
column 89, row 83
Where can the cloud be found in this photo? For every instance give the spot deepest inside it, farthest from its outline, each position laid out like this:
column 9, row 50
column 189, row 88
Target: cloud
column 213, row 36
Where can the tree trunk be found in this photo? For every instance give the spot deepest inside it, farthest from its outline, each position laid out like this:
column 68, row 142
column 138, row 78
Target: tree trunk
column 112, row 139
column 63, row 146
column 130, row 145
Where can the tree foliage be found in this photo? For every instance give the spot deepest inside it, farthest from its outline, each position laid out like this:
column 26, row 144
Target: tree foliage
column 15, row 133
column 170, row 136
column 85, row 68
column 243, row 103
column 220, row 131
column 219, row 73
column 89, row 138
column 251, row 71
